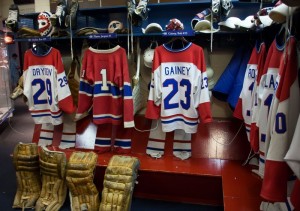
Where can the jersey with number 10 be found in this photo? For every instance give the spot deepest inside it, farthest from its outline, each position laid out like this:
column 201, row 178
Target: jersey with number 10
column 105, row 86
column 179, row 90
column 46, row 87
column 283, row 119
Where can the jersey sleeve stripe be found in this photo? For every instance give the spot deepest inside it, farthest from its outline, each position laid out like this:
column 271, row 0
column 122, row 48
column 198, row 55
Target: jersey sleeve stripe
column 85, row 88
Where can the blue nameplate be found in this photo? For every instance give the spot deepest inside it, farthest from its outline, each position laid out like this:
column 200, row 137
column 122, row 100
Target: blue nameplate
column 39, row 39
column 103, row 36
column 178, row 33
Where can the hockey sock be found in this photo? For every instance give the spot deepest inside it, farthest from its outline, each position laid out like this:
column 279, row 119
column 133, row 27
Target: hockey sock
column 103, row 138
column 122, row 140
column 182, row 146
column 46, row 134
column 156, row 142
column 68, row 133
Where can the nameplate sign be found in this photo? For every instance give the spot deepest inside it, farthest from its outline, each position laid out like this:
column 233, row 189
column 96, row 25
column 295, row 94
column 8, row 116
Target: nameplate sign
column 178, row 33
column 103, row 36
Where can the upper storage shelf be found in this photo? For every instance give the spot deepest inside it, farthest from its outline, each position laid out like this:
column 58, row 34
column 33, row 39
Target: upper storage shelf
column 159, row 13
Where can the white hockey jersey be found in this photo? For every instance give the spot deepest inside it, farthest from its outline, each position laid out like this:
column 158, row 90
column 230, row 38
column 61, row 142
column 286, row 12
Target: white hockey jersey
column 265, row 93
column 243, row 109
column 179, row 88
column 46, row 87
column 283, row 119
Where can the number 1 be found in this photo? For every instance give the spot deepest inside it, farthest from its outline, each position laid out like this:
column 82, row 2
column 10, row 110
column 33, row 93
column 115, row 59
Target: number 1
column 104, row 80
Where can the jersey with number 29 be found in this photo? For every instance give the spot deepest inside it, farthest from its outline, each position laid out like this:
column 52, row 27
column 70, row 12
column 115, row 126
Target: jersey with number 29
column 46, row 87
column 179, row 93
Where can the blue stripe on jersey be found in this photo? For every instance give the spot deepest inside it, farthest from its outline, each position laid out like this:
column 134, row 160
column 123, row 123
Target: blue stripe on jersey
column 111, row 90
column 178, row 119
column 85, row 87
column 182, row 150
column 292, row 178
column 155, row 149
column 263, row 137
column 46, row 138
column 248, row 113
column 48, row 114
column 103, row 142
column 127, row 91
column 123, row 143
column 261, row 160
column 108, row 117
column 288, row 206
column 67, row 141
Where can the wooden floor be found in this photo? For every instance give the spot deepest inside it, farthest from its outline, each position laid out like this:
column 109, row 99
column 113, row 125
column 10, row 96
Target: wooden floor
column 213, row 175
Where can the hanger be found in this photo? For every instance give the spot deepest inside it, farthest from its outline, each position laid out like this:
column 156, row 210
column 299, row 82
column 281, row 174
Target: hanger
column 282, row 35
column 103, row 44
column 177, row 42
column 40, row 48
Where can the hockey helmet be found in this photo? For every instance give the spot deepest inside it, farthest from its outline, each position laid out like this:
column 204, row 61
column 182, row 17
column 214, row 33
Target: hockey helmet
column 174, row 24
column 45, row 26
column 210, row 74
column 152, row 28
column 149, row 53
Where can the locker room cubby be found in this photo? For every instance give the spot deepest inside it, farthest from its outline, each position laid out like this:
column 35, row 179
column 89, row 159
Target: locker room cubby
column 214, row 174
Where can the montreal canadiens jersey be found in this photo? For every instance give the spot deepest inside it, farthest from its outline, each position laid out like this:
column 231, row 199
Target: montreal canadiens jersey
column 243, row 108
column 105, row 87
column 283, row 119
column 292, row 157
column 179, row 93
column 46, row 87
column 265, row 93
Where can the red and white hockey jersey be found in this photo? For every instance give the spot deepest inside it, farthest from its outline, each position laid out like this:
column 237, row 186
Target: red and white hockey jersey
column 243, row 109
column 265, row 93
column 292, row 156
column 179, row 89
column 46, row 87
column 105, row 86
column 283, row 119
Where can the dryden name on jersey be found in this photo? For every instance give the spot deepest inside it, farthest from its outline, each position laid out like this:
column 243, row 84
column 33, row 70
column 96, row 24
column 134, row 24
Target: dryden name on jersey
column 177, row 70
column 41, row 71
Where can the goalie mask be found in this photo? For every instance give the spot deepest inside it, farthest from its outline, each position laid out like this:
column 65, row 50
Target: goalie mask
column 115, row 26
column 45, row 26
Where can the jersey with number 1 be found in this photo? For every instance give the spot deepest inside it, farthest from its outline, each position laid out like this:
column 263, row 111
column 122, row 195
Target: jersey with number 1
column 105, row 86
column 243, row 109
column 179, row 93
column 265, row 94
column 46, row 87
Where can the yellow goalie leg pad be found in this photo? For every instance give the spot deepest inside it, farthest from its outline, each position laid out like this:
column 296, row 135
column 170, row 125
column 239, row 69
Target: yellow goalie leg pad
column 54, row 187
column 26, row 163
column 80, row 181
column 119, row 180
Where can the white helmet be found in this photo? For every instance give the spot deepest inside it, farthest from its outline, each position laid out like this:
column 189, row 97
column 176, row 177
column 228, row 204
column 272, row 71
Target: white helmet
column 149, row 53
column 45, row 27
column 210, row 74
